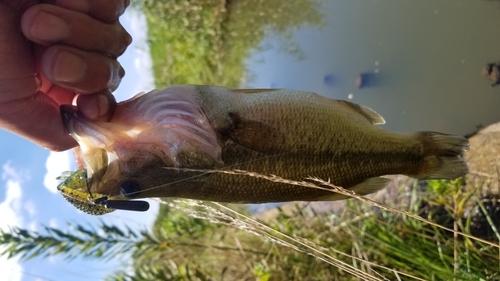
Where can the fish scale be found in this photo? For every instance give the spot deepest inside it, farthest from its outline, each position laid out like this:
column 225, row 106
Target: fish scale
column 291, row 134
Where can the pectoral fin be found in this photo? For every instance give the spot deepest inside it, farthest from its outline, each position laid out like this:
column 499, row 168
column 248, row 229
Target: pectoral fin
column 254, row 135
column 368, row 186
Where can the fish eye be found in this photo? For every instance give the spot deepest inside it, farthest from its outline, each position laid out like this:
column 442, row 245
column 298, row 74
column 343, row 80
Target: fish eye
column 130, row 189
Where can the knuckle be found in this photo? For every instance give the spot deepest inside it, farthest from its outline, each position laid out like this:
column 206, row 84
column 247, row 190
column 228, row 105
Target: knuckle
column 121, row 5
column 115, row 75
column 114, row 40
column 113, row 9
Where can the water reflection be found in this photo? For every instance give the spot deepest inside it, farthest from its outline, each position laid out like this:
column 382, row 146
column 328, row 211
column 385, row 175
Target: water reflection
column 419, row 62
column 207, row 42
column 367, row 80
column 329, row 80
column 492, row 72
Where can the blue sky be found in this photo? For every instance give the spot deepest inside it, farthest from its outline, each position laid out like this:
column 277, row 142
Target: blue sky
column 28, row 196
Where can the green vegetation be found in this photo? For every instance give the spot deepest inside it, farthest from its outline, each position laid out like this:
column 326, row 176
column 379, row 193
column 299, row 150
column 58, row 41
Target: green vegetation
column 366, row 240
column 207, row 41
column 209, row 241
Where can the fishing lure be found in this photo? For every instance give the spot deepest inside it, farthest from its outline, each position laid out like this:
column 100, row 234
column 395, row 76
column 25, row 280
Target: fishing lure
column 94, row 203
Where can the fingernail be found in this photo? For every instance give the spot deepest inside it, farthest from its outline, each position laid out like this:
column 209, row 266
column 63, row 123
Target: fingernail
column 48, row 27
column 94, row 106
column 68, row 67
column 102, row 105
column 117, row 74
column 121, row 8
column 75, row 5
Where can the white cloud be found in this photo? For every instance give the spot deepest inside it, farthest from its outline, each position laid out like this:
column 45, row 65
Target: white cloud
column 10, row 209
column 57, row 162
column 30, row 207
column 32, row 226
column 53, row 223
column 9, row 173
column 142, row 59
column 11, row 206
column 11, row 269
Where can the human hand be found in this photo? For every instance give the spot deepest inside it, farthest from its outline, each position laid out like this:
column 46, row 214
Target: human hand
column 51, row 52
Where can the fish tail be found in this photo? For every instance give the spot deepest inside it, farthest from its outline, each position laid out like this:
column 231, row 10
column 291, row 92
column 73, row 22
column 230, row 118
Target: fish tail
column 442, row 156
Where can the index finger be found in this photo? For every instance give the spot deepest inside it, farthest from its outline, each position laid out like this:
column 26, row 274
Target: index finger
column 103, row 10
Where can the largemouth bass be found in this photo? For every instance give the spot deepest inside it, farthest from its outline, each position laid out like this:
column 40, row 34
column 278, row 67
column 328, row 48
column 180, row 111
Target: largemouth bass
column 291, row 134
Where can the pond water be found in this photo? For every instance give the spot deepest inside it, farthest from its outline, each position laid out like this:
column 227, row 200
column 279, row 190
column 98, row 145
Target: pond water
column 421, row 61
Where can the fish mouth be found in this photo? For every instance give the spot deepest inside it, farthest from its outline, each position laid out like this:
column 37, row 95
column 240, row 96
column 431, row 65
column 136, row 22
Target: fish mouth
column 68, row 114
column 92, row 138
column 77, row 125
column 86, row 132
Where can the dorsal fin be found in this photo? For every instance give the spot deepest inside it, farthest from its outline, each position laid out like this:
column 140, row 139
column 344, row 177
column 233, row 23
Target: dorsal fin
column 368, row 113
column 253, row 91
